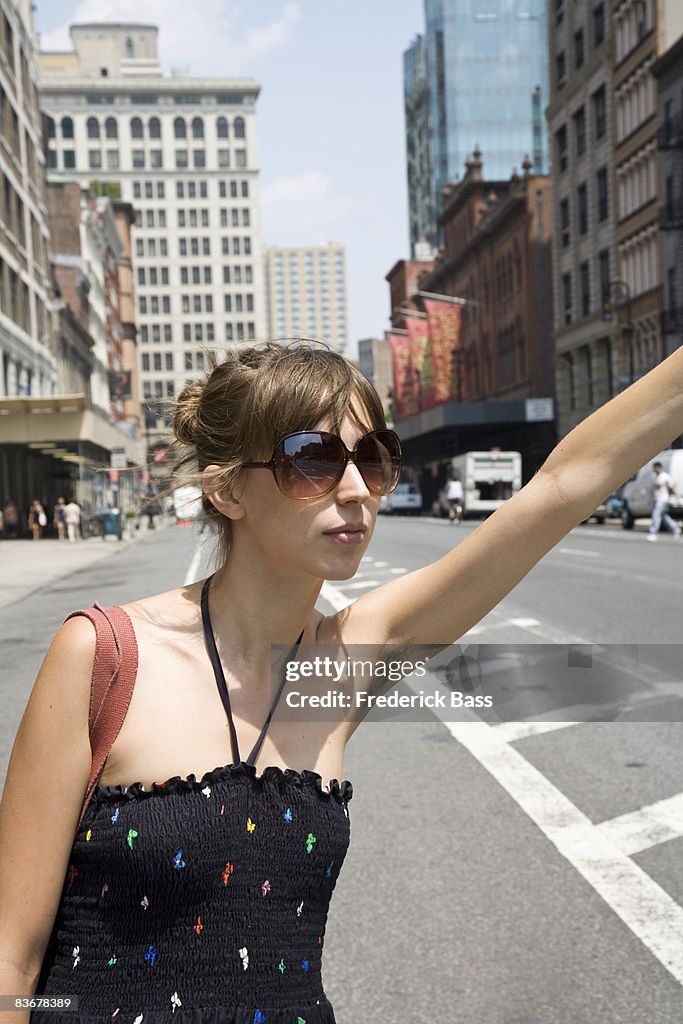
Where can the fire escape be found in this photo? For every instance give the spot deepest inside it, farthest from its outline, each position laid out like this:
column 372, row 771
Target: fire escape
column 671, row 221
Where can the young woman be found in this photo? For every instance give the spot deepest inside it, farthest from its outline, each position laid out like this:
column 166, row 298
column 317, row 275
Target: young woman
column 200, row 893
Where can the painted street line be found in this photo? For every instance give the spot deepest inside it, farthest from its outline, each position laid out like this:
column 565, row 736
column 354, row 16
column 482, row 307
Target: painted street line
column 649, row 826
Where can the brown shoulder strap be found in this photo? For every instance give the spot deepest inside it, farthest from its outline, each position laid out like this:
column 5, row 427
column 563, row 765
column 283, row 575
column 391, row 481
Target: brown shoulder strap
column 113, row 678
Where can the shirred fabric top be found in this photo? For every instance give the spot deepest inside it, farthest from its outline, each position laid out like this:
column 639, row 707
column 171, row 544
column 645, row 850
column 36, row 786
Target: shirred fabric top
column 202, row 901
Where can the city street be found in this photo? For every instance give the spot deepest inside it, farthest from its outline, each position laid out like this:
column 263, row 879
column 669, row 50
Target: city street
column 500, row 871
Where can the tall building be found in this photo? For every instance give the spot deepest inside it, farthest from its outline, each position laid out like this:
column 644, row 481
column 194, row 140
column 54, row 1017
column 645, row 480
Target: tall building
column 306, row 293
column 643, row 30
column 28, row 365
column 184, row 152
column 422, row 211
column 669, row 73
column 486, row 86
column 581, row 126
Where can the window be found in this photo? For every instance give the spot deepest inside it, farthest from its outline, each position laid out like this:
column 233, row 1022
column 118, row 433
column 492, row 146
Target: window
column 247, row 246
column 169, row 361
column 138, row 158
column 150, row 218
column 233, row 190
column 136, row 131
column 235, row 214
column 149, row 192
column 199, row 157
column 141, row 275
column 238, row 128
column 179, row 190
column 585, row 279
column 93, row 128
column 168, row 333
column 582, row 205
column 130, row 49
column 223, row 158
column 143, row 305
column 245, row 219
column 137, row 192
column 222, row 190
column 224, row 218
column 205, row 218
column 580, row 130
column 154, row 128
column 197, row 128
column 207, row 275
column 184, row 275
column 245, row 189
column 151, row 247
column 166, row 303
column 567, row 297
column 181, row 158
column 181, row 218
column 206, row 247
column 203, row 190
column 600, row 111
column 111, row 128
column 69, row 158
column 94, row 159
column 145, row 361
column 157, row 361
column 561, row 69
column 187, row 332
column 193, row 218
column 604, row 272
column 67, row 128
column 561, row 143
column 49, row 121
column 241, row 157
column 139, row 248
column 196, row 275
column 222, row 128
column 163, row 247
column 603, row 197
column 225, row 246
column 113, row 160
column 228, row 332
column 191, row 190
column 161, row 190
column 599, row 24
column 155, row 158
column 227, row 303
column 565, row 233
column 180, row 128
column 188, row 360
column 153, row 276
column 579, row 50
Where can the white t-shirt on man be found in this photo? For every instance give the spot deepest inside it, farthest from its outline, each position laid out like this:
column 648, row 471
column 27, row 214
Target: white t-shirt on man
column 661, row 485
column 454, row 491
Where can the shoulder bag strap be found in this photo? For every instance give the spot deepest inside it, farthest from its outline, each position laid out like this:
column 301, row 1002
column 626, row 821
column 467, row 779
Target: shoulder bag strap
column 113, row 678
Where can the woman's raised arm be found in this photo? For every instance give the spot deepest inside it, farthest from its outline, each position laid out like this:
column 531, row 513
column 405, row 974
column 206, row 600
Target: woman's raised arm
column 442, row 601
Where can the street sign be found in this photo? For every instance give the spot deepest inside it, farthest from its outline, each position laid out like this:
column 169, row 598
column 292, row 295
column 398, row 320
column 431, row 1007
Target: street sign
column 118, row 458
column 539, row 409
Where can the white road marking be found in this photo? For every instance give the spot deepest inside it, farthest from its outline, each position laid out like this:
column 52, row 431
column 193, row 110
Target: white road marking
column 643, row 905
column 595, row 851
column 381, row 565
column 577, row 551
column 398, row 571
column 524, row 623
column 646, row 827
column 513, row 731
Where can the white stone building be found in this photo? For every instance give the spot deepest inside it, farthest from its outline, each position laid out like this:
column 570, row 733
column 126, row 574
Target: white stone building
column 27, row 362
column 306, row 293
column 184, row 152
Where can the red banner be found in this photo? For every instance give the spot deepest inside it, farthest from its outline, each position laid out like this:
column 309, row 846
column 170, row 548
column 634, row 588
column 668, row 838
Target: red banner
column 443, row 319
column 403, row 365
column 418, row 332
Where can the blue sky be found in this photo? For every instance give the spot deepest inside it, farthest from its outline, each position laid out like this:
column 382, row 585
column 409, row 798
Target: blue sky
column 330, row 114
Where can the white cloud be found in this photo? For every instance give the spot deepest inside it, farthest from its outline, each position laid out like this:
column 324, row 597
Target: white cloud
column 307, row 209
column 208, row 42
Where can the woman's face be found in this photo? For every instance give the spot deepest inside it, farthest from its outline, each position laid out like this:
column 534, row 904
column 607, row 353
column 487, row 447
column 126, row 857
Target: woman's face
column 324, row 537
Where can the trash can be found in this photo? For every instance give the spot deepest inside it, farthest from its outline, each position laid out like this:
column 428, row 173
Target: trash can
column 112, row 523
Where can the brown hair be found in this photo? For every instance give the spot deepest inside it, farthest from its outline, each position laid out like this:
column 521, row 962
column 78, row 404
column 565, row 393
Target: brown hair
column 243, row 404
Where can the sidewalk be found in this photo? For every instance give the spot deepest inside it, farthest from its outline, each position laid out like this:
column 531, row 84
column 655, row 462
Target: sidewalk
column 28, row 565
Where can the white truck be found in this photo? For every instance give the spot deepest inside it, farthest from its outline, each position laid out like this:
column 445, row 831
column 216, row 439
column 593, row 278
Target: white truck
column 488, row 479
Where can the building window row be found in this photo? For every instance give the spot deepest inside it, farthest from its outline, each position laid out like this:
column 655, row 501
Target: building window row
column 236, row 246
column 638, row 260
column 195, row 275
column 152, row 276
column 238, row 303
column 109, row 128
column 14, row 297
column 637, row 181
column 586, row 301
column 581, row 129
column 147, row 247
column 154, row 332
column 154, row 304
column 197, row 303
column 149, row 188
column 636, row 101
column 153, row 361
column 199, row 332
column 240, row 331
column 194, row 246
column 238, row 274
column 632, row 22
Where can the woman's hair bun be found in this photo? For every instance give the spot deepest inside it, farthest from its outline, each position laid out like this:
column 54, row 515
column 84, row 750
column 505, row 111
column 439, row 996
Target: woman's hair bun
column 186, row 412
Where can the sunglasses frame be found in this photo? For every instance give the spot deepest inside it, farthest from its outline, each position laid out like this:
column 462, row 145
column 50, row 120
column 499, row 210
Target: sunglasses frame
column 349, row 456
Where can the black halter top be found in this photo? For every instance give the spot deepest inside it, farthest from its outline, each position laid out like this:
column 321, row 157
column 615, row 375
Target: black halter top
column 202, row 901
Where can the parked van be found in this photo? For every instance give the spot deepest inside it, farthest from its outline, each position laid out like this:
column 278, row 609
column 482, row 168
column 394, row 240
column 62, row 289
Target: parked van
column 488, row 479
column 637, row 492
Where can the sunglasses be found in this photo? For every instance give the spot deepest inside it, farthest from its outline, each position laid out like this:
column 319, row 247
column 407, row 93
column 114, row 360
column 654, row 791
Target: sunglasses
column 310, row 463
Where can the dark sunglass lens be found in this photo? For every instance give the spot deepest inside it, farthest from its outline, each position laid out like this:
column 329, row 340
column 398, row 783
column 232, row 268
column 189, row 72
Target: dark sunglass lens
column 309, row 464
column 379, row 460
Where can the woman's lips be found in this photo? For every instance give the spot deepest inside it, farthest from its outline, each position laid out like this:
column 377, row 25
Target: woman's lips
column 347, row 535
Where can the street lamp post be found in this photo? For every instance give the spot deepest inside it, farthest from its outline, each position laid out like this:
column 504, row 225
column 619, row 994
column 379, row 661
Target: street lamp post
column 619, row 290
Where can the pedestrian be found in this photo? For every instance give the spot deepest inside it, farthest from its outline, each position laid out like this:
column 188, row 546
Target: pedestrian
column 11, row 517
column 205, row 890
column 59, row 518
column 662, row 489
column 454, row 496
column 37, row 519
column 72, row 516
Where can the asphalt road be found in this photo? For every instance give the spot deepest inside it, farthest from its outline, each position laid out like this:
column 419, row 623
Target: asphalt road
column 500, row 871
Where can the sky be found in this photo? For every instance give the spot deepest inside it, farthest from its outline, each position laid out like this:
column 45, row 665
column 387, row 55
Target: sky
column 330, row 114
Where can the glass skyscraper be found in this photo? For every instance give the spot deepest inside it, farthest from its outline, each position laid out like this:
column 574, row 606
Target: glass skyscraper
column 487, row 83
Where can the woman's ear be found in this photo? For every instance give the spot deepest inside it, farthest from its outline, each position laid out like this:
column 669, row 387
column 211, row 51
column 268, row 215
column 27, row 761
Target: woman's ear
column 225, row 499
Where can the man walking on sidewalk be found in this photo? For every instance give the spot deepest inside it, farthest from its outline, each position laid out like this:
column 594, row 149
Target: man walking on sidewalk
column 72, row 514
column 663, row 487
